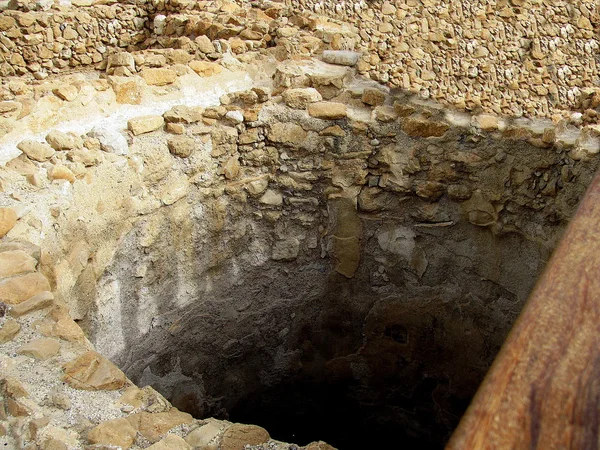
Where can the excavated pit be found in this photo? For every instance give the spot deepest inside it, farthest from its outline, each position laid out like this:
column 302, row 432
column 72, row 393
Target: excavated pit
column 358, row 322
column 305, row 352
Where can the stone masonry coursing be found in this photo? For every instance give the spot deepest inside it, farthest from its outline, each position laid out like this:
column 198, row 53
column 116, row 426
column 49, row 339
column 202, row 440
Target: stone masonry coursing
column 512, row 57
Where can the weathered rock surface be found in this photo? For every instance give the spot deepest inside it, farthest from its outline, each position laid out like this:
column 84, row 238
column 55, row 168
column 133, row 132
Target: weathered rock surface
column 145, row 124
column 37, row 151
column 239, row 435
column 92, row 371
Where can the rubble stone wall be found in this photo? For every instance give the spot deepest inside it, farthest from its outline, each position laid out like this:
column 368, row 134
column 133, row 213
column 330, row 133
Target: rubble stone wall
column 513, row 57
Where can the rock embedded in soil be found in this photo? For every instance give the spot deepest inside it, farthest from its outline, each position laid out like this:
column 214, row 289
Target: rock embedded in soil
column 37, row 151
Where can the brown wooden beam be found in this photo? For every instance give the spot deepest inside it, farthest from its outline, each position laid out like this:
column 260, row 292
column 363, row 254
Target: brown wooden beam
column 543, row 390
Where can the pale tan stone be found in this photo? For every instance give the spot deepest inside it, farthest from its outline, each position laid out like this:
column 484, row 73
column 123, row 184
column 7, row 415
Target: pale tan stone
column 154, row 425
column 67, row 93
column 171, row 442
column 8, row 219
column 173, row 188
column 238, row 435
column 158, row 76
column 204, row 44
column 16, row 262
column 271, row 198
column 67, row 329
column 205, row 69
column 420, row 127
column 60, row 141
column 487, row 122
column 373, row 97
column 184, row 114
column 181, row 146
column 92, row 372
column 327, row 110
column 231, row 168
column 16, row 408
column 43, row 348
column 287, row 133
column 118, row 432
column 175, row 128
column 12, row 387
column 37, row 151
column 300, row 98
column 60, row 172
column 147, row 399
column 127, row 90
column 35, row 303
column 334, row 130
column 9, row 330
column 145, row 124
column 205, row 434
column 18, row 289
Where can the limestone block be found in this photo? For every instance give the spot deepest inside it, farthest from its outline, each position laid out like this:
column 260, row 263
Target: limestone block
column 43, row 348
column 257, row 187
column 340, row 57
column 61, row 141
column 67, row 93
column 18, row 289
column 145, row 124
column 127, row 90
column 205, row 434
column 146, row 399
column 8, row 219
column 327, row 110
column 173, row 188
column 286, row 250
column 12, row 387
column 9, row 330
column 171, row 442
column 239, row 435
column 300, row 98
column 231, row 168
column 184, row 114
column 111, row 141
column 175, row 128
column 66, row 328
column 121, row 59
column 271, row 198
column 154, row 425
column 60, row 172
column 92, row 372
column 287, row 133
column 249, row 136
column 35, row 303
column 487, row 122
column 236, row 117
column 84, row 156
column 421, row 127
column 118, row 432
column 181, row 146
column 37, row 151
column 16, row 262
column 373, row 97
column 17, row 409
column 204, row 44
column 158, row 76
column 205, row 69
